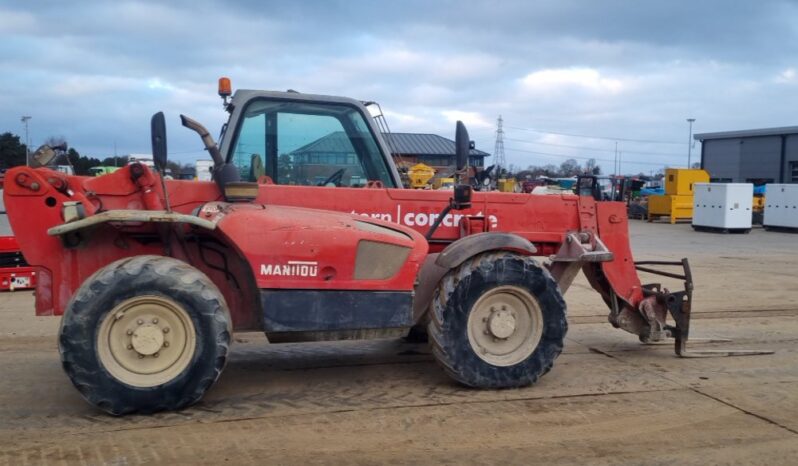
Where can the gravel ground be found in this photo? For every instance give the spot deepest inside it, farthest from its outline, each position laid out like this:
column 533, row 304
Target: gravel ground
column 608, row 400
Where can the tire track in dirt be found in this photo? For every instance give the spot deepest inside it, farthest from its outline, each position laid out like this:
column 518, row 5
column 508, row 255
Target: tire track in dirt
column 255, row 386
column 597, row 429
column 275, row 381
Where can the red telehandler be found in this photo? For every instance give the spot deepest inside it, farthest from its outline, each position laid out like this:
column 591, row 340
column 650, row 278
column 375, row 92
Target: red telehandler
column 305, row 233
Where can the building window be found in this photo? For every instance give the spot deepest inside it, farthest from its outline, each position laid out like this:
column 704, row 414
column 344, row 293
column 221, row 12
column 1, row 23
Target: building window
column 437, row 161
column 794, row 172
column 476, row 161
column 759, row 181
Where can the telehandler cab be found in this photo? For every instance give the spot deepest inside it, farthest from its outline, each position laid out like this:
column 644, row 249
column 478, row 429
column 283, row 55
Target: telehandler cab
column 305, row 234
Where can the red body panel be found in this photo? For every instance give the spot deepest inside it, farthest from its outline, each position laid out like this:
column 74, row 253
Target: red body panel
column 288, row 247
column 544, row 220
column 613, row 224
column 8, row 244
column 62, row 270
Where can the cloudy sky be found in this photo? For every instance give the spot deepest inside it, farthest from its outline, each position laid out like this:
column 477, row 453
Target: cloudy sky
column 570, row 78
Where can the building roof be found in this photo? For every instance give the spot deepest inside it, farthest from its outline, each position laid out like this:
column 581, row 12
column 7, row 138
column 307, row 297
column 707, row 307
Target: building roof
column 399, row 144
column 336, row 142
column 747, row 133
column 423, row 144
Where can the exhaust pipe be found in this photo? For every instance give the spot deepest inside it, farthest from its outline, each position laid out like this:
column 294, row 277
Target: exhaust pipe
column 207, row 139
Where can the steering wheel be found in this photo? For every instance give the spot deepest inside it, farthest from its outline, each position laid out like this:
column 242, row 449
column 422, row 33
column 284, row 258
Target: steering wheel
column 335, row 178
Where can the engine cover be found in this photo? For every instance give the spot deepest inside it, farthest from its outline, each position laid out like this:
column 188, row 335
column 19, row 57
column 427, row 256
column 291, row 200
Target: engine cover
column 297, row 248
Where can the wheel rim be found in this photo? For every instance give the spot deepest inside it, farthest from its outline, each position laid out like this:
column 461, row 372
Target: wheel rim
column 146, row 341
column 505, row 325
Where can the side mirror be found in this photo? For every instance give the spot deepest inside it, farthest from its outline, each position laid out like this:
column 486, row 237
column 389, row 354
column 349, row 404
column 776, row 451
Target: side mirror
column 42, row 157
column 158, row 133
column 462, row 145
column 461, row 198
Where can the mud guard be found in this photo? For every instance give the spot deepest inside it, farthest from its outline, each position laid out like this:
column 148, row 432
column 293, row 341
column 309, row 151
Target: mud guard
column 132, row 216
column 457, row 252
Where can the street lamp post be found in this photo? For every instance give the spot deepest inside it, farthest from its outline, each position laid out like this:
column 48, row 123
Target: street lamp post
column 690, row 142
column 24, row 120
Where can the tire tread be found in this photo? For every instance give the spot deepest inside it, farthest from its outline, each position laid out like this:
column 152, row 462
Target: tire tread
column 73, row 343
column 448, row 345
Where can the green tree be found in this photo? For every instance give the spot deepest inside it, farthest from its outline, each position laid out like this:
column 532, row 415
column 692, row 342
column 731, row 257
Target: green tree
column 286, row 169
column 175, row 167
column 12, row 151
column 114, row 161
column 81, row 164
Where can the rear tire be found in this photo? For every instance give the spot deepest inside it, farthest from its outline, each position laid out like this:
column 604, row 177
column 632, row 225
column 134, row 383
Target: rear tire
column 145, row 334
column 498, row 321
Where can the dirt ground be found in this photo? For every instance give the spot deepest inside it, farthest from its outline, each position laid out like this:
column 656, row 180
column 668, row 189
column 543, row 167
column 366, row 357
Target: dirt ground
column 608, row 400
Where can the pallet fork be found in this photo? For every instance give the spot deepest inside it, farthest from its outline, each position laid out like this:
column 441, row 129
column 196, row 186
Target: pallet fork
column 660, row 301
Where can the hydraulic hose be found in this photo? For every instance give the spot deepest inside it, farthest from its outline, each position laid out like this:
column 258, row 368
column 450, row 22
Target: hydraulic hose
column 438, row 221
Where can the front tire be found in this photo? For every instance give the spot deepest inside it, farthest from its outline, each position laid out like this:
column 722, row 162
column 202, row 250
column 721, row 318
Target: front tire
column 498, row 321
column 145, row 334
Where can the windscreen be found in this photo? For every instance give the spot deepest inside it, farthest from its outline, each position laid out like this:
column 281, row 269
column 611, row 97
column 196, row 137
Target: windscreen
column 307, row 144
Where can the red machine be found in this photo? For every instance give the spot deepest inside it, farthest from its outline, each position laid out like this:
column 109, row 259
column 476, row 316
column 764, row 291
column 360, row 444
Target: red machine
column 15, row 273
column 153, row 275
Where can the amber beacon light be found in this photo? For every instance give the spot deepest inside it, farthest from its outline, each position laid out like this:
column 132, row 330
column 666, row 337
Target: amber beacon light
column 225, row 89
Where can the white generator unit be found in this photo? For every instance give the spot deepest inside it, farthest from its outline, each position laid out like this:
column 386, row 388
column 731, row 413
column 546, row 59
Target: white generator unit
column 781, row 206
column 204, row 170
column 725, row 207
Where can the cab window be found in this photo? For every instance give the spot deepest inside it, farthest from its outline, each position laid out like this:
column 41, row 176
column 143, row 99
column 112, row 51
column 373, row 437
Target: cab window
column 307, row 144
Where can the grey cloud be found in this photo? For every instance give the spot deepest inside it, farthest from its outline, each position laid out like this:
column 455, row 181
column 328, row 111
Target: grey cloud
column 94, row 71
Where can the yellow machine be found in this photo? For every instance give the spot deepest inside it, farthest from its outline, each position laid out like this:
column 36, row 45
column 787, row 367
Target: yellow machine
column 443, row 183
column 758, row 209
column 675, row 206
column 759, row 203
column 677, row 202
column 506, row 185
column 419, row 175
column 679, row 181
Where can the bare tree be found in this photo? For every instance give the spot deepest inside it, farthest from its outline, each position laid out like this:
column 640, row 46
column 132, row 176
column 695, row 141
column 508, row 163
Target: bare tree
column 570, row 168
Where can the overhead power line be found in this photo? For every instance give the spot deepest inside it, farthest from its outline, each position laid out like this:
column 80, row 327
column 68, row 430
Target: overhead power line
column 593, row 148
column 564, row 156
column 647, row 141
column 187, row 151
